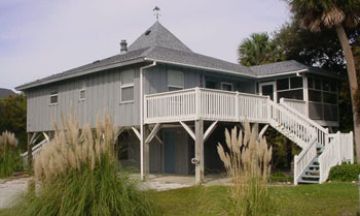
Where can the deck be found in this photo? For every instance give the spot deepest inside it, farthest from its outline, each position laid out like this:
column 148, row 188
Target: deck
column 205, row 104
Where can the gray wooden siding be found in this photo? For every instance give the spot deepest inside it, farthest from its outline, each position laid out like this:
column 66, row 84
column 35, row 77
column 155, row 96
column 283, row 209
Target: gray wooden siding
column 102, row 96
column 156, row 79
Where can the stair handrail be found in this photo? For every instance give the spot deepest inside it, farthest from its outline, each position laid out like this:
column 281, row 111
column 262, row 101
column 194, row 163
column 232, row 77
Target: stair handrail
column 303, row 160
column 283, row 103
column 35, row 149
column 306, row 140
column 322, row 140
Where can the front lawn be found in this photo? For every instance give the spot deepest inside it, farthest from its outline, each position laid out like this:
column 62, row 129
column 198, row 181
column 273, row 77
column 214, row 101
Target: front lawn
column 326, row 199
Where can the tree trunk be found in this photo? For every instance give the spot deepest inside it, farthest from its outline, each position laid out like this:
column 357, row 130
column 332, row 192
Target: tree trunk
column 351, row 71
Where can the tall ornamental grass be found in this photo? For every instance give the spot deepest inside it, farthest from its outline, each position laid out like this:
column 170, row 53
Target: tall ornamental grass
column 78, row 174
column 9, row 155
column 246, row 158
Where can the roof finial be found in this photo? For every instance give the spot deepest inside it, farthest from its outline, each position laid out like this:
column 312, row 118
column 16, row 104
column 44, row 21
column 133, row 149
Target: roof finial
column 156, row 12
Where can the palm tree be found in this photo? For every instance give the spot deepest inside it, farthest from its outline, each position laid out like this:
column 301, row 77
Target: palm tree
column 316, row 15
column 258, row 49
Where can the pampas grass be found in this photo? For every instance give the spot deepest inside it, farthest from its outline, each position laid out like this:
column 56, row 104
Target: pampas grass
column 78, row 174
column 9, row 155
column 247, row 161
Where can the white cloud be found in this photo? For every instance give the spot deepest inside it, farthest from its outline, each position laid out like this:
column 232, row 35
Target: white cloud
column 52, row 36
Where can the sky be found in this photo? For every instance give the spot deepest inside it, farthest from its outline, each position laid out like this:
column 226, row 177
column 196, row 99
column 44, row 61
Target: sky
column 39, row 38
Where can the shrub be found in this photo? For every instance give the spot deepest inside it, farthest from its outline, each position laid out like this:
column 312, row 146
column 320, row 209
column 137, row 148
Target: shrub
column 247, row 162
column 345, row 172
column 9, row 155
column 78, row 175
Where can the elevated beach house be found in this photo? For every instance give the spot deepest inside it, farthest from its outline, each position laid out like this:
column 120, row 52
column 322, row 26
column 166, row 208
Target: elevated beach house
column 172, row 105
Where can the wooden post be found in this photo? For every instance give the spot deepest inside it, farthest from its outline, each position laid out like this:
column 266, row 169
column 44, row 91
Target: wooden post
column 199, row 151
column 146, row 150
column 30, row 140
column 306, row 95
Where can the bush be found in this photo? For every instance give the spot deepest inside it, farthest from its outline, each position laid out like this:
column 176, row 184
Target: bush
column 345, row 172
column 247, row 162
column 10, row 160
column 78, row 175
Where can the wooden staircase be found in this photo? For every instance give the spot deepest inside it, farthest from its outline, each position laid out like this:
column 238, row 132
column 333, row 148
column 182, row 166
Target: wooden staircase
column 312, row 165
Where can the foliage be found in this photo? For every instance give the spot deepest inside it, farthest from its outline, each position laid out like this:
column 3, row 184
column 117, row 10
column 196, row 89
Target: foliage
column 13, row 117
column 259, row 49
column 326, row 199
column 78, row 175
column 10, row 160
column 345, row 172
column 247, row 162
column 317, row 15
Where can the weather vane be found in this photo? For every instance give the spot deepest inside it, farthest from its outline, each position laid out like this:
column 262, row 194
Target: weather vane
column 156, row 12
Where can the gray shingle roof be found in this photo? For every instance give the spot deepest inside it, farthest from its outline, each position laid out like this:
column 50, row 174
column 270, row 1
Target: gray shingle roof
column 6, row 93
column 278, row 68
column 158, row 35
column 196, row 60
column 159, row 44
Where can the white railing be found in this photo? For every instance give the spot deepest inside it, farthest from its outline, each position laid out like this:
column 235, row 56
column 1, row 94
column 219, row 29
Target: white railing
column 322, row 133
column 303, row 160
column 298, row 105
column 294, row 126
column 206, row 104
column 170, row 106
column 35, row 150
column 340, row 149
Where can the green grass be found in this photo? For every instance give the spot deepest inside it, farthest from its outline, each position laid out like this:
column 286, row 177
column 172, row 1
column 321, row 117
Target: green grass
column 326, row 199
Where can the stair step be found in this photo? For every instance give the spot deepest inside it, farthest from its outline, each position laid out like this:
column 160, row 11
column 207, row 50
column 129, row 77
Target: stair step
column 310, row 177
column 308, row 181
column 312, row 173
column 313, row 167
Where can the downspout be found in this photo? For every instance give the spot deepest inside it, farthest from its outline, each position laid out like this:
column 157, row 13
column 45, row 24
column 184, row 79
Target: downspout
column 142, row 118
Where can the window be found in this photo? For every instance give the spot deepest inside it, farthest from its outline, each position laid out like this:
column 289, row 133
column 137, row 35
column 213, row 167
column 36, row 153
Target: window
column 82, row 94
column 175, row 80
column 315, row 96
column 292, row 94
column 282, row 84
column 323, row 90
column 210, row 84
column 127, row 93
column 54, row 97
column 290, row 88
column 296, row 82
column 227, row 86
column 127, row 86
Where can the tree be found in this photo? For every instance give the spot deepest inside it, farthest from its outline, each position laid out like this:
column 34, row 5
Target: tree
column 13, row 117
column 315, row 16
column 259, row 49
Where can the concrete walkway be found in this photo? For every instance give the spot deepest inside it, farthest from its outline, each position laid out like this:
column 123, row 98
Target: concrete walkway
column 10, row 189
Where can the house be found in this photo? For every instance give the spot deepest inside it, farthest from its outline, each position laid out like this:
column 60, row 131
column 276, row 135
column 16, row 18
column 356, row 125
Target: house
column 4, row 93
column 173, row 104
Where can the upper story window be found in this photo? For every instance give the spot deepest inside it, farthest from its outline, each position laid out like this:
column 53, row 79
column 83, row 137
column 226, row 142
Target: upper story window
column 82, row 94
column 290, row 88
column 127, row 86
column 227, row 86
column 54, row 97
column 175, row 80
column 322, row 90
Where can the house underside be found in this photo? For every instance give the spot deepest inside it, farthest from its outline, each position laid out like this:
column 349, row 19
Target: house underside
column 180, row 135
